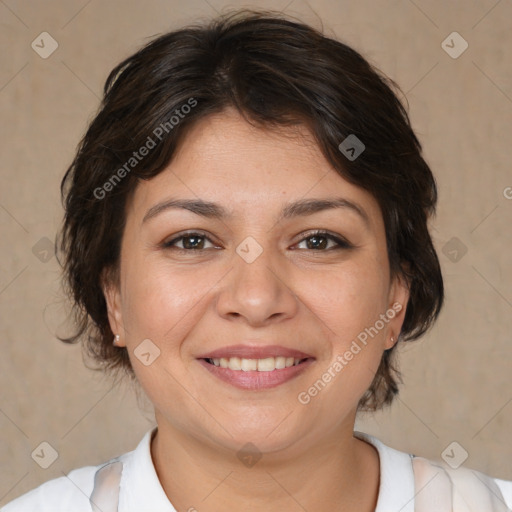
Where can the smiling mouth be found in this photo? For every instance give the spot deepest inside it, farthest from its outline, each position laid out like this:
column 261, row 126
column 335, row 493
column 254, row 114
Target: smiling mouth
column 267, row 364
column 259, row 374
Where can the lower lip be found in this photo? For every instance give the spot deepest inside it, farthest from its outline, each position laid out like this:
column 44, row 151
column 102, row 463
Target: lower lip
column 255, row 380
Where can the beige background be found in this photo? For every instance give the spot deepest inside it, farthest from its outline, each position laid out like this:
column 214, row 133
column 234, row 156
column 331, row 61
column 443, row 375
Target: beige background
column 457, row 379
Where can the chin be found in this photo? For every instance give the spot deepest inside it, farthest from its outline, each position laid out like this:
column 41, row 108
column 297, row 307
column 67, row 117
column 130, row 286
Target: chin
column 267, row 432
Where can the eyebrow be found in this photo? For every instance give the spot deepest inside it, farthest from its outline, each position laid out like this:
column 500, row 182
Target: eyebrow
column 302, row 207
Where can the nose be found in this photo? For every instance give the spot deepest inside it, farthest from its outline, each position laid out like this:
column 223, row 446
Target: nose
column 257, row 292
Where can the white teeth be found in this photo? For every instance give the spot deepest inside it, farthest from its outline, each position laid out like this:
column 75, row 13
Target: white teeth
column 280, row 362
column 249, row 365
column 235, row 363
column 266, row 364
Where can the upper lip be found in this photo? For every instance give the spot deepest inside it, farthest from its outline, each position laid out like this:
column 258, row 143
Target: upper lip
column 254, row 352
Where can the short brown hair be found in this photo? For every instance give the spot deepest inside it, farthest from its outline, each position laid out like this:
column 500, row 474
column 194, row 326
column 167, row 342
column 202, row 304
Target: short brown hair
column 276, row 72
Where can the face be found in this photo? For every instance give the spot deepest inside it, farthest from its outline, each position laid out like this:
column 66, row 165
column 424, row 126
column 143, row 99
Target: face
column 262, row 279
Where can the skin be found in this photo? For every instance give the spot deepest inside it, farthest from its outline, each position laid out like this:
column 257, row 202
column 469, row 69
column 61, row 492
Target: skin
column 314, row 300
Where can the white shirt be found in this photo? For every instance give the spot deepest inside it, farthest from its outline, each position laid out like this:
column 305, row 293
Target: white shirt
column 141, row 491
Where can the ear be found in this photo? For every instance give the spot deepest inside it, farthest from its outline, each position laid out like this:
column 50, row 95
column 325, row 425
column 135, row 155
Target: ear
column 397, row 306
column 112, row 294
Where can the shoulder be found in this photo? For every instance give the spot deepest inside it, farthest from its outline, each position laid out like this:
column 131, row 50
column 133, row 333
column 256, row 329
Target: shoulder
column 468, row 489
column 506, row 489
column 72, row 492
column 64, row 494
column 416, row 484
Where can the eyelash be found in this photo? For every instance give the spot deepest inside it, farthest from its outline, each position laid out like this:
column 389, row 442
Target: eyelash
column 341, row 242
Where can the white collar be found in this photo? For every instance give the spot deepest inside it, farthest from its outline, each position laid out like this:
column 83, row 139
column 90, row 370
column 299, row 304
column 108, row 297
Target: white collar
column 141, row 489
column 396, row 489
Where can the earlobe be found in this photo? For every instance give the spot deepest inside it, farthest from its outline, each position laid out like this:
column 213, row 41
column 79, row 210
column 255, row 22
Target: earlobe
column 399, row 298
column 113, row 301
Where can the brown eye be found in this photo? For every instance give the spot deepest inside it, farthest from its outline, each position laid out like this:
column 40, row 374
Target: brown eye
column 319, row 241
column 189, row 242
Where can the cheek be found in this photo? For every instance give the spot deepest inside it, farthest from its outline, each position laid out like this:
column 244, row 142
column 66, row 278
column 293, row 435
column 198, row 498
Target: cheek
column 161, row 302
column 348, row 299
column 348, row 303
column 163, row 305
column 359, row 297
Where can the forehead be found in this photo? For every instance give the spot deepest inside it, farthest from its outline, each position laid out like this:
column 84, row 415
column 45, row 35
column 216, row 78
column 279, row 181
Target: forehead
column 224, row 159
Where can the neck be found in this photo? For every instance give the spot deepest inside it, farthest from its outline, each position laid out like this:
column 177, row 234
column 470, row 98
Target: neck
column 339, row 473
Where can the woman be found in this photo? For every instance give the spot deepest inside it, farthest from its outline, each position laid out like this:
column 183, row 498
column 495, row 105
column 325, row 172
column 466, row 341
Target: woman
column 246, row 236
